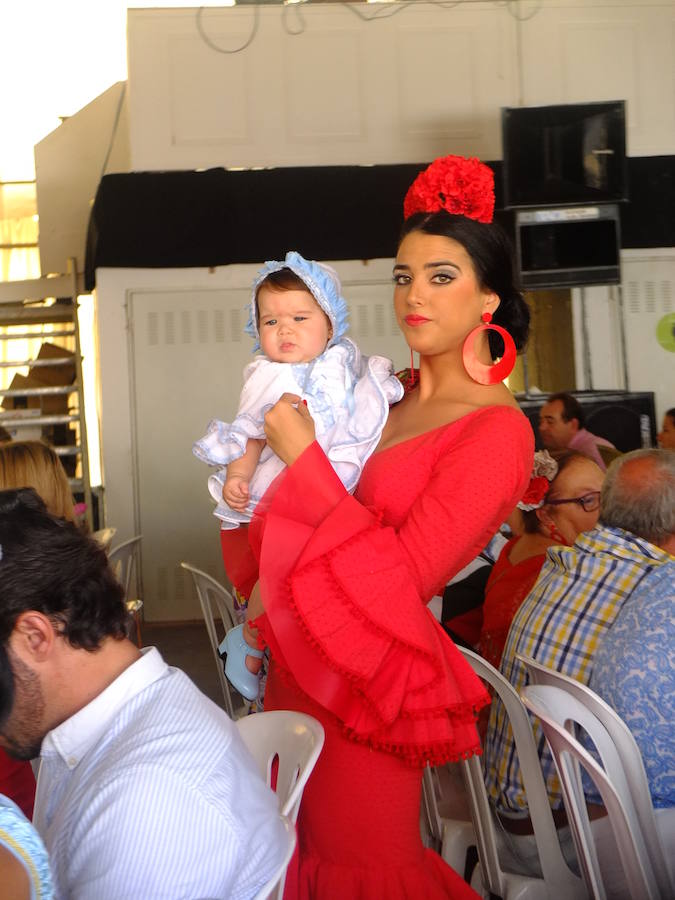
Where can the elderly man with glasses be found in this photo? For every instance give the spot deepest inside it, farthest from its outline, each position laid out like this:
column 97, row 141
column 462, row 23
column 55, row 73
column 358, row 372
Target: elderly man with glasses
column 573, row 605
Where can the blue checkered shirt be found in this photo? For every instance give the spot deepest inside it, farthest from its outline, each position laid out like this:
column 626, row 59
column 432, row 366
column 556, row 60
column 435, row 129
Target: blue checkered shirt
column 577, row 597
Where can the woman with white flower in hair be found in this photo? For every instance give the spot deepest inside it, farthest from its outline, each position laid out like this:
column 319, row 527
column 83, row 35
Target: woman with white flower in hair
column 562, row 500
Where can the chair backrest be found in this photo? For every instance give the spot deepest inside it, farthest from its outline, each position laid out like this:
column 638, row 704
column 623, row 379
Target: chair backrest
column 211, row 593
column 629, row 755
column 104, row 536
column 560, row 880
column 274, row 888
column 430, row 806
column 123, row 561
column 558, row 712
column 295, row 739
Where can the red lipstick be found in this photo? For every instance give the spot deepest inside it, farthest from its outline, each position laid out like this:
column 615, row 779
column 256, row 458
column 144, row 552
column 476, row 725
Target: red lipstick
column 415, row 320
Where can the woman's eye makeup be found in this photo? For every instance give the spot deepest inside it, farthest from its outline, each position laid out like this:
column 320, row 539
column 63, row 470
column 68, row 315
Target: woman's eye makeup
column 443, row 277
column 401, row 278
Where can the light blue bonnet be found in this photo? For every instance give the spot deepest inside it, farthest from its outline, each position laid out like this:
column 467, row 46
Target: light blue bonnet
column 322, row 283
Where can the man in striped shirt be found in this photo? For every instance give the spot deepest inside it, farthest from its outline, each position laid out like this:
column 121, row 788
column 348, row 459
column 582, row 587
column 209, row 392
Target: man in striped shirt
column 145, row 788
column 578, row 595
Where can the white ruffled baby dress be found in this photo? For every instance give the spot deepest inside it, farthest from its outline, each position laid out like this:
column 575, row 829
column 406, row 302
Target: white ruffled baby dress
column 348, row 396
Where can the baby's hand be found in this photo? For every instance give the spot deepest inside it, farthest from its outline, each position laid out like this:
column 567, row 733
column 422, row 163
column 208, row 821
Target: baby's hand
column 235, row 492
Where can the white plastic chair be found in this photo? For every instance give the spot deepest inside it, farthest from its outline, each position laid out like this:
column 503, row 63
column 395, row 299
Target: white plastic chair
column 274, row 887
column 123, row 559
column 104, row 537
column 559, row 712
column 211, row 593
column 629, row 755
column 452, row 838
column 558, row 880
column 296, row 739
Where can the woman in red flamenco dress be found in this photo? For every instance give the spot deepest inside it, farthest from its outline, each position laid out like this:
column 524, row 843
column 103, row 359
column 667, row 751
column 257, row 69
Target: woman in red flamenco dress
column 344, row 580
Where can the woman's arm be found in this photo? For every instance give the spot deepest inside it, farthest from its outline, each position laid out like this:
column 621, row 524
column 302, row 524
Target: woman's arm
column 344, row 593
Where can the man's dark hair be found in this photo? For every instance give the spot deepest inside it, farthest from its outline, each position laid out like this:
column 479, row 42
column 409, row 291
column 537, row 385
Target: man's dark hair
column 48, row 565
column 572, row 409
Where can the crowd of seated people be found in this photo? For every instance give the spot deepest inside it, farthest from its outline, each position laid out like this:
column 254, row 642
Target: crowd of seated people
column 592, row 600
column 571, row 610
column 605, row 590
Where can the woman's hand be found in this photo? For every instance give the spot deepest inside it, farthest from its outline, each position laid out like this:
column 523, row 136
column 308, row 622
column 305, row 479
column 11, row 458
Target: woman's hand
column 289, row 428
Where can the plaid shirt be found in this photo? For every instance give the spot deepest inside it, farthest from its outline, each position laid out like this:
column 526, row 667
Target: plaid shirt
column 577, row 597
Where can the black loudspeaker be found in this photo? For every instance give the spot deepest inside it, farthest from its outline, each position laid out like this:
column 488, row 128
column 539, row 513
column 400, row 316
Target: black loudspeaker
column 627, row 419
column 568, row 247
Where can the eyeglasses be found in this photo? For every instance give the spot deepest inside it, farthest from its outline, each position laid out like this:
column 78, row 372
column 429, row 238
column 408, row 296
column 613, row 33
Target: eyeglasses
column 589, row 502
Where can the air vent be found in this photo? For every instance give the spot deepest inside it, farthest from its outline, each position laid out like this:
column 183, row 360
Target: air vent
column 633, row 295
column 153, row 329
column 186, row 327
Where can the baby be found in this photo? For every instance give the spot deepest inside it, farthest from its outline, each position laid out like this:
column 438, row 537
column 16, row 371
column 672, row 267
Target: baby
column 298, row 318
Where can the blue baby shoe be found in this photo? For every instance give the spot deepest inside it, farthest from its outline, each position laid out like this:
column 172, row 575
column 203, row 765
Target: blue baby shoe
column 235, row 649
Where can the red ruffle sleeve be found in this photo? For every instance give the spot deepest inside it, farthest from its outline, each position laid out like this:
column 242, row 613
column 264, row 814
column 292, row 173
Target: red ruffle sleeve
column 345, row 594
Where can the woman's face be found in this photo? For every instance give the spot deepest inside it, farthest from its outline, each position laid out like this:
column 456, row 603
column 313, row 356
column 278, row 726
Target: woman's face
column 666, row 437
column 578, row 479
column 437, row 298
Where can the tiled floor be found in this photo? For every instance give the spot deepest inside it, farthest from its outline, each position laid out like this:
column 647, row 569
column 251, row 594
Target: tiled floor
column 187, row 648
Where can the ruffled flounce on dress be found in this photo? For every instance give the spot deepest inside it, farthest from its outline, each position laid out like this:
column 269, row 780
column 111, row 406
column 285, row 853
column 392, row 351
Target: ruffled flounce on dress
column 348, row 396
column 345, row 581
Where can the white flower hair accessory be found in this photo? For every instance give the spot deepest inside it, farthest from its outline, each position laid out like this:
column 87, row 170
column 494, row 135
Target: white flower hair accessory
column 544, row 470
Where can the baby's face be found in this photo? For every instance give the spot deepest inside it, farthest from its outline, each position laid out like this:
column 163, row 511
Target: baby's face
column 293, row 327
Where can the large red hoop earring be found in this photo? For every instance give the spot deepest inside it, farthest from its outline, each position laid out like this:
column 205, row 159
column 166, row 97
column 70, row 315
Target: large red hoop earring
column 479, row 371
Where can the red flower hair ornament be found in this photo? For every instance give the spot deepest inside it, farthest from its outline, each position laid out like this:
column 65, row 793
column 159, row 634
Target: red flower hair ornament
column 461, row 186
column 544, row 470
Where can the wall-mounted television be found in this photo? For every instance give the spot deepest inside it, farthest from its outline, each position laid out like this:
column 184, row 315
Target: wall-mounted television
column 564, row 154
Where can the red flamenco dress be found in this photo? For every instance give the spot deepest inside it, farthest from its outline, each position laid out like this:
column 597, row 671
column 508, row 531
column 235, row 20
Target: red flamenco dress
column 507, row 587
column 345, row 581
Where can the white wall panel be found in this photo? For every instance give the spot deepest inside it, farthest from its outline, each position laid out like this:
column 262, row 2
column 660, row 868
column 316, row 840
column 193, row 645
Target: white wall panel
column 574, row 51
column 201, row 111
column 329, row 67
column 323, row 89
column 648, row 294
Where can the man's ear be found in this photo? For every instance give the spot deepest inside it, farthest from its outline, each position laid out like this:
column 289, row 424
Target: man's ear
column 34, row 636
column 575, row 423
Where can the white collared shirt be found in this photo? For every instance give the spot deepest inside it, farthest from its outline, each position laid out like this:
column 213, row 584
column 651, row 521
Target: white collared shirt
column 148, row 792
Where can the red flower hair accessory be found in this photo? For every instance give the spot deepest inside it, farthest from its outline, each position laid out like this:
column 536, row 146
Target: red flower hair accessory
column 462, row 186
column 544, row 470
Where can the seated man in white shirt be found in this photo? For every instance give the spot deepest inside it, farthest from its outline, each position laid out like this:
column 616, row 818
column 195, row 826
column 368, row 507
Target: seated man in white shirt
column 145, row 789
